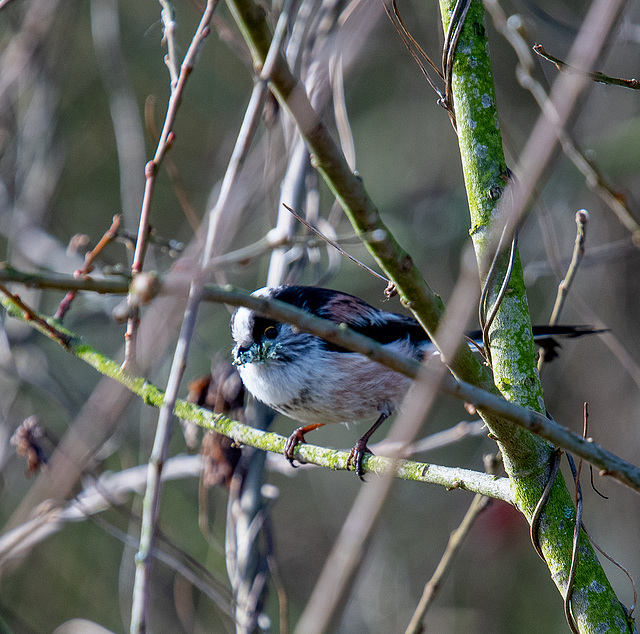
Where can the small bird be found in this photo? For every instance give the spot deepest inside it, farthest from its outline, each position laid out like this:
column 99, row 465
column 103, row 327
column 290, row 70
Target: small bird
column 317, row 382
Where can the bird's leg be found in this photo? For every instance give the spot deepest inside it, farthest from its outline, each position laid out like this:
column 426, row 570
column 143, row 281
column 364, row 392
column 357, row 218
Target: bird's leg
column 357, row 453
column 296, row 438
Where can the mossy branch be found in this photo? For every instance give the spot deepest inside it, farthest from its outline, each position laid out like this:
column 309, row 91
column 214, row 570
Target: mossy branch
column 607, row 462
column 449, row 477
column 526, row 456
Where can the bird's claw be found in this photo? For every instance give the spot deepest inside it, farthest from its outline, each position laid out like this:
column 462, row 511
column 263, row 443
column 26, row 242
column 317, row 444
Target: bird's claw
column 293, row 441
column 354, row 461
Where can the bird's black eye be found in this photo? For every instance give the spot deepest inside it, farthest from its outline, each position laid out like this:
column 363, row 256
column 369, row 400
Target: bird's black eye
column 264, row 329
column 270, row 332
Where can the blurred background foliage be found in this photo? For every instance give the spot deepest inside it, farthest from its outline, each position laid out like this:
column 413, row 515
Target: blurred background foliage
column 61, row 174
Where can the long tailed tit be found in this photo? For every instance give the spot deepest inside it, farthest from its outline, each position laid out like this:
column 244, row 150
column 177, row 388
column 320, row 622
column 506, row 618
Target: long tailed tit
column 316, row 382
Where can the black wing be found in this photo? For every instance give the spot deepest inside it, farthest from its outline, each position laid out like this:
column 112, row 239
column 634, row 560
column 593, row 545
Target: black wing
column 338, row 307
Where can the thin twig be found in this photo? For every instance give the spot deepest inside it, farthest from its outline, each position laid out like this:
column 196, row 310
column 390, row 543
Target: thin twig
column 167, row 135
column 582, row 217
column 168, row 16
column 179, row 188
column 118, row 285
column 30, row 315
column 165, row 142
column 110, row 235
column 594, row 179
column 345, row 134
column 598, row 77
column 456, row 539
column 336, row 246
column 416, row 51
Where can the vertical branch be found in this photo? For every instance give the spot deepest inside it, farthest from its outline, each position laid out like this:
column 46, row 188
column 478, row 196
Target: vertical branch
column 153, row 491
column 582, row 217
column 165, row 142
column 512, row 352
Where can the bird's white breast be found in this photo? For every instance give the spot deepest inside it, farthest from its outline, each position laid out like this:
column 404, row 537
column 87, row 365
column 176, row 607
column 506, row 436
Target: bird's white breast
column 327, row 387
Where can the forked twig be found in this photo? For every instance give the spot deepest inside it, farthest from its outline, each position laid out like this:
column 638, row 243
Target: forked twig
column 167, row 138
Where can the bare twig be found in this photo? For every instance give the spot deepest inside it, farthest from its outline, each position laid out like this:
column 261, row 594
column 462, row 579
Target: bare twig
column 179, row 189
column 416, row 51
column 169, row 26
column 30, row 315
column 167, row 135
column 598, row 77
column 525, row 76
column 165, row 142
column 116, row 284
column 582, row 217
column 110, row 235
column 336, row 73
column 336, row 246
column 431, row 589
